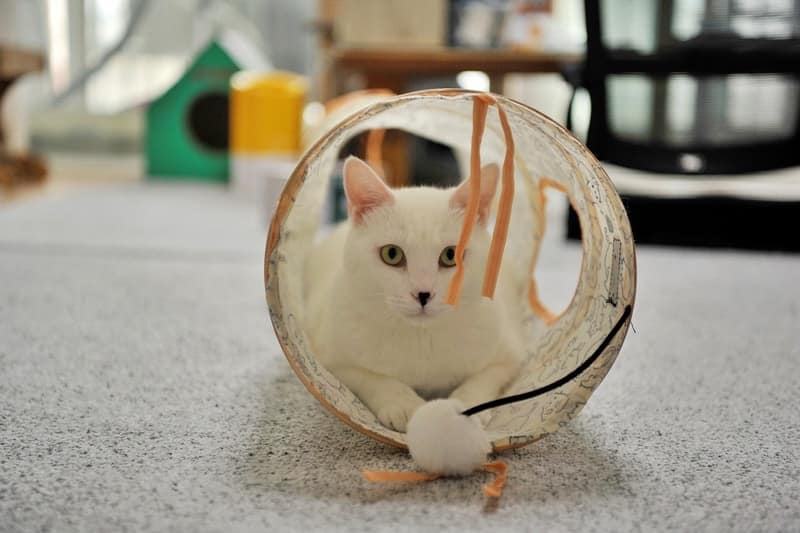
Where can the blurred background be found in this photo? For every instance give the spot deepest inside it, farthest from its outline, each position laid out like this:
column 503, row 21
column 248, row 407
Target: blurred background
column 691, row 104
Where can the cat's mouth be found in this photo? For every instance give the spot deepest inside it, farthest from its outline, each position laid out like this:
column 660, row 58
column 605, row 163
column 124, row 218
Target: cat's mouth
column 422, row 314
column 416, row 313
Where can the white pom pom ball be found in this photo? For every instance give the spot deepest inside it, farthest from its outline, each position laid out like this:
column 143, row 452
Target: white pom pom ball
column 443, row 441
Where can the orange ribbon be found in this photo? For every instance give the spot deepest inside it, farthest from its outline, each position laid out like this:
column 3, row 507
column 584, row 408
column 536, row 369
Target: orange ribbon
column 500, row 470
column 373, row 151
column 492, row 490
column 539, row 309
column 480, row 104
column 503, row 211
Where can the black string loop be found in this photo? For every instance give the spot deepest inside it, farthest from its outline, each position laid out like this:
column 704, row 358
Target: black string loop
column 559, row 382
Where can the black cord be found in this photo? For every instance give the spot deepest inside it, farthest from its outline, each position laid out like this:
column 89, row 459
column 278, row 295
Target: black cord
column 559, row 382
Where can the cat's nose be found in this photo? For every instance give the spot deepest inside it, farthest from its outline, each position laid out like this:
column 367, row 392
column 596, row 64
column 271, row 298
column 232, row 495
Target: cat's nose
column 423, row 298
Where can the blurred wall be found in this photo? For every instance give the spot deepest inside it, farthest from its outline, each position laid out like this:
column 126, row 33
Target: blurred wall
column 286, row 25
column 21, row 23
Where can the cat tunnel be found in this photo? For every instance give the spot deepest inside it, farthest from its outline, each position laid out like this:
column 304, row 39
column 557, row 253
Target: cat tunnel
column 544, row 155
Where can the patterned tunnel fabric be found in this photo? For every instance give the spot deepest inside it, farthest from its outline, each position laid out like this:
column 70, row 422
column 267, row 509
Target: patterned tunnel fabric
column 545, row 155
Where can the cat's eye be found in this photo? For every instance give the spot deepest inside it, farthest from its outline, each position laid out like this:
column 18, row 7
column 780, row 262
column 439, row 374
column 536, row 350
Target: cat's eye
column 447, row 258
column 392, row 255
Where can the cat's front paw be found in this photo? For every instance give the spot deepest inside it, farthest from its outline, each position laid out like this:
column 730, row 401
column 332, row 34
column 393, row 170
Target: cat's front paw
column 396, row 413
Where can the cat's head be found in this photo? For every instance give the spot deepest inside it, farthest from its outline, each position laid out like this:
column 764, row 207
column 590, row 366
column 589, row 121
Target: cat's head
column 400, row 253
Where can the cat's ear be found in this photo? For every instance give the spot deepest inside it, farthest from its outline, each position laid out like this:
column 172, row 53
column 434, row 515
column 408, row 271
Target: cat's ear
column 365, row 190
column 489, row 176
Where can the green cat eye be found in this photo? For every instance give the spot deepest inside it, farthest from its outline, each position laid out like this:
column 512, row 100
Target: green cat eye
column 392, row 255
column 448, row 257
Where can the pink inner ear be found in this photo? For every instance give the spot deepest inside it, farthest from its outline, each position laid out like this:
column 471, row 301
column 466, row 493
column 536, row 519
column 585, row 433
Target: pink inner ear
column 460, row 197
column 365, row 190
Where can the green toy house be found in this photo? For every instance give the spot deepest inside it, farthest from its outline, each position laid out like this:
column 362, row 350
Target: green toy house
column 187, row 127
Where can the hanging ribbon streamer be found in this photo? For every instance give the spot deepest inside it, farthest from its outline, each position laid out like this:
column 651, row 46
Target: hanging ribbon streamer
column 373, row 151
column 503, row 219
column 480, row 104
column 479, row 107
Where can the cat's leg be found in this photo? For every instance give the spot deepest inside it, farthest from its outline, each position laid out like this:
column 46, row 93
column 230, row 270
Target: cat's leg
column 485, row 386
column 392, row 401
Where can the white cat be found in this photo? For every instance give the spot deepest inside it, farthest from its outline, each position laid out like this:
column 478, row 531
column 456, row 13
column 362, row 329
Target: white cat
column 375, row 299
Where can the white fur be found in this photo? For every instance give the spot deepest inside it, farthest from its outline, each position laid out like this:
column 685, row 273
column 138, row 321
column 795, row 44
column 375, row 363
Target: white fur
column 368, row 329
column 443, row 441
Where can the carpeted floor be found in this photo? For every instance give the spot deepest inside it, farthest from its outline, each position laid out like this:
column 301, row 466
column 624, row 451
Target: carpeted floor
column 141, row 388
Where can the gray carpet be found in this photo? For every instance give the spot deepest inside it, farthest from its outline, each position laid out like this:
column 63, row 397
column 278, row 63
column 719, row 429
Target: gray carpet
column 141, row 389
